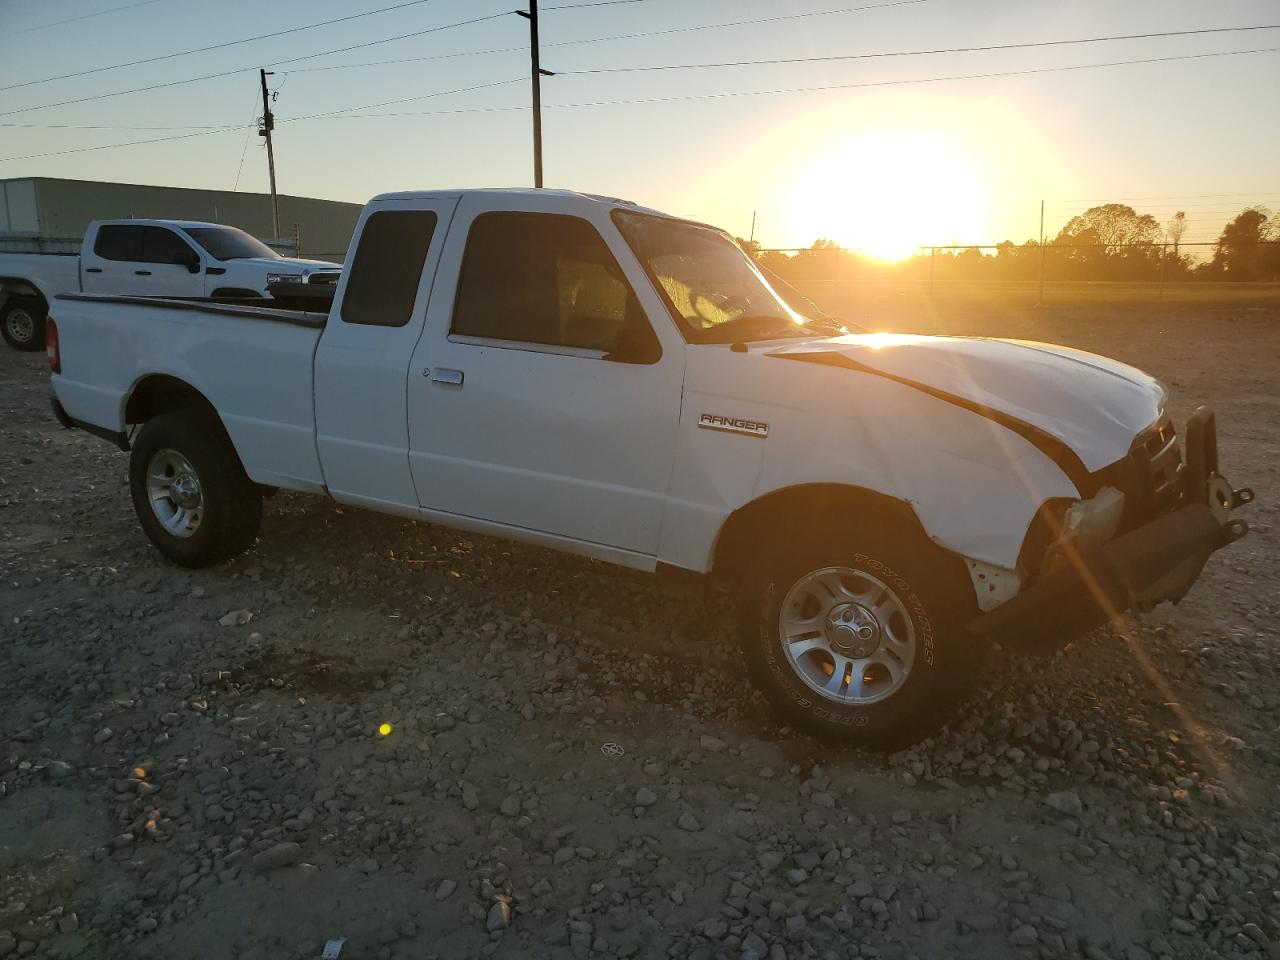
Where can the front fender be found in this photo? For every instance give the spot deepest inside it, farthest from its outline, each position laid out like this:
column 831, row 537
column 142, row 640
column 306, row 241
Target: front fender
column 974, row 484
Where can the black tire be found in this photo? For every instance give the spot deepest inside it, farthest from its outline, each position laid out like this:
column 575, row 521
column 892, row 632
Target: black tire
column 22, row 323
column 230, row 510
column 934, row 597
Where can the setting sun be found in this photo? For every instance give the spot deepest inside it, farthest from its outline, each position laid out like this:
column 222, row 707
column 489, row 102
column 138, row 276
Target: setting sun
column 886, row 193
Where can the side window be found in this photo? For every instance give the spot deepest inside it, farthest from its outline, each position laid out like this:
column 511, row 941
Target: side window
column 387, row 267
column 164, row 246
column 548, row 279
column 117, row 241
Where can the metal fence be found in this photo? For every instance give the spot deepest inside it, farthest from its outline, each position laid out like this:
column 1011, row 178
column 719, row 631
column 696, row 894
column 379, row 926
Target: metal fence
column 1132, row 268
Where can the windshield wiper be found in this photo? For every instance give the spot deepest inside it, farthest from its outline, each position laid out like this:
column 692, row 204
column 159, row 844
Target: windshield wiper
column 755, row 325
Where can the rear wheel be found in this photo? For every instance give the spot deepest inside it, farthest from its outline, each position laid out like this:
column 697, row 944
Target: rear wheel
column 22, row 323
column 189, row 490
column 859, row 637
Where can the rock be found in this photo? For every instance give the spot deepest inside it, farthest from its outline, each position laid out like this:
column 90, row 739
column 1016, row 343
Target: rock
column 281, row 855
column 499, row 917
column 712, row 744
column 445, row 889
column 7, row 944
column 58, row 770
column 797, row 876
column 1024, row 936
column 1066, row 802
column 469, row 798
column 689, row 822
column 103, row 735
column 510, row 806
column 369, row 865
column 235, row 618
column 645, row 797
column 147, row 924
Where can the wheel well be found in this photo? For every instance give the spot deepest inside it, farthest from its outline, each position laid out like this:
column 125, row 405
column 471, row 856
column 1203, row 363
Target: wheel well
column 158, row 394
column 18, row 288
column 791, row 508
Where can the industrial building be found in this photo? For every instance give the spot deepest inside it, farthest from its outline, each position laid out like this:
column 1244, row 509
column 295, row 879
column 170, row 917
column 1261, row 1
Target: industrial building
column 49, row 215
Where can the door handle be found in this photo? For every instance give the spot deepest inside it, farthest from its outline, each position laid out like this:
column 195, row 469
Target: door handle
column 444, row 375
column 92, row 269
column 142, row 273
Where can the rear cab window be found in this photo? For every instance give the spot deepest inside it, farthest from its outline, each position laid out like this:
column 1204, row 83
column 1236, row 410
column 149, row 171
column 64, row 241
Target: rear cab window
column 119, row 241
column 387, row 268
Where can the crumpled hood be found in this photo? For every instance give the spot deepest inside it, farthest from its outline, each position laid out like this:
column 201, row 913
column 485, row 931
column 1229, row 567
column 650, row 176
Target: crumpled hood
column 1094, row 405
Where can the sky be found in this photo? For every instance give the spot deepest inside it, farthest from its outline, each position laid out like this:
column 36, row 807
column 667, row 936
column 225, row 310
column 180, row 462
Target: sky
column 889, row 155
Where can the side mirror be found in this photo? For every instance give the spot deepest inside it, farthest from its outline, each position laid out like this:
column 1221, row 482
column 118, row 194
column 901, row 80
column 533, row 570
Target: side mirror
column 636, row 343
column 193, row 265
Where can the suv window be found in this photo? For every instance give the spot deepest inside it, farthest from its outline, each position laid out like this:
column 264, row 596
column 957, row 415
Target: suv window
column 118, row 241
column 388, row 266
column 546, row 279
column 164, row 246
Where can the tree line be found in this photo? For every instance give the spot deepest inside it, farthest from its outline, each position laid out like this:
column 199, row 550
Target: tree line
column 1107, row 242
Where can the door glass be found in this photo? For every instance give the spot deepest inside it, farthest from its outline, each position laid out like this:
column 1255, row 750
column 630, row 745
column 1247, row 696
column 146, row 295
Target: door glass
column 164, row 246
column 544, row 279
column 119, row 242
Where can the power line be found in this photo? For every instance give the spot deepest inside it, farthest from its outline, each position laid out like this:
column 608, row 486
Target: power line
column 275, row 63
column 447, row 56
column 911, row 53
column 86, row 16
column 349, row 112
column 314, row 116
column 248, row 135
column 218, row 46
column 112, row 126
column 621, row 36
column 833, row 86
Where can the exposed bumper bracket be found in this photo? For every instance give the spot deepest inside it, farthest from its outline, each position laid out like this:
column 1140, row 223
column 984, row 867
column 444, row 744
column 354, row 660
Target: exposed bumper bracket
column 1158, row 561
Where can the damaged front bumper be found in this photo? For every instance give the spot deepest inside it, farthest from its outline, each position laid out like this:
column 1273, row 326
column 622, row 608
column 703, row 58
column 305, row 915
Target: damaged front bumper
column 1154, row 562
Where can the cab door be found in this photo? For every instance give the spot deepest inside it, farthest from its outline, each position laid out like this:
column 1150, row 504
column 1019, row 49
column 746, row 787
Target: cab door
column 540, row 396
column 169, row 266
column 363, row 354
column 142, row 260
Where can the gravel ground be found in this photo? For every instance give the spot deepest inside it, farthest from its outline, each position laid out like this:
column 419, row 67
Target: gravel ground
column 191, row 763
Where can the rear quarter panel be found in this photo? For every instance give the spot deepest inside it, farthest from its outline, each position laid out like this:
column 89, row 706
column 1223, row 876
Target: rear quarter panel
column 257, row 374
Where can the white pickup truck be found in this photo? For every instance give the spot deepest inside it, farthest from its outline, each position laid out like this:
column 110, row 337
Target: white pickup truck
column 153, row 258
column 581, row 373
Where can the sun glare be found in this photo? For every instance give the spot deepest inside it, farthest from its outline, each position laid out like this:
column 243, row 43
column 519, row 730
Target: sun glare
column 887, row 193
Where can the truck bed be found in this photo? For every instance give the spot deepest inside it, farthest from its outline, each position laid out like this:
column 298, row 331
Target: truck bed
column 252, row 363
column 260, row 308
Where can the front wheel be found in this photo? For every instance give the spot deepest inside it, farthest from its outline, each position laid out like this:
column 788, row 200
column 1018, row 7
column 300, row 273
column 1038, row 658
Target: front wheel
column 190, row 492
column 22, row 324
column 862, row 642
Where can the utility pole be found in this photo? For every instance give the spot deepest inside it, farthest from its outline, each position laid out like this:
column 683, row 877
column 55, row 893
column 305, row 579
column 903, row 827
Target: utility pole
column 753, row 227
column 536, row 74
column 269, row 124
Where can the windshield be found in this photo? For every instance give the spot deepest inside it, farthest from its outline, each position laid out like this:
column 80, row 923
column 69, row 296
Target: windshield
column 228, row 243
column 712, row 288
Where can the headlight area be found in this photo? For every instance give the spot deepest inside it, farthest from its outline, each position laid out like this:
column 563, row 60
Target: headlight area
column 1063, row 527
